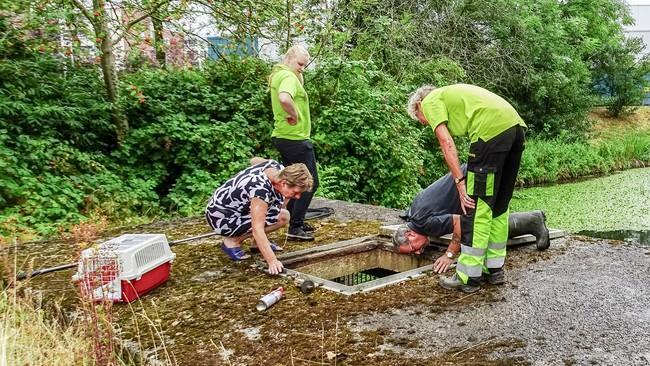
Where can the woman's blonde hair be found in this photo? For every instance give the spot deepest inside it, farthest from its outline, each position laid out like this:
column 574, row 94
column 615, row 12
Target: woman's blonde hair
column 294, row 52
column 416, row 97
column 297, row 175
column 257, row 160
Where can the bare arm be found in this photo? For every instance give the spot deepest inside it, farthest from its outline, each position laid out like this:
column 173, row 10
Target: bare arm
column 454, row 246
column 448, row 148
column 258, row 218
column 443, row 263
column 286, row 101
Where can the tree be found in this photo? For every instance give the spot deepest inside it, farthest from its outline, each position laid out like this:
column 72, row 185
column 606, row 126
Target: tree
column 108, row 30
column 624, row 77
column 541, row 55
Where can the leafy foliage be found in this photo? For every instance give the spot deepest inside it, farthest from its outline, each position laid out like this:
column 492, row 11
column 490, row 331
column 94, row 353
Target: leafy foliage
column 622, row 78
column 367, row 146
column 540, row 55
column 191, row 129
column 195, row 128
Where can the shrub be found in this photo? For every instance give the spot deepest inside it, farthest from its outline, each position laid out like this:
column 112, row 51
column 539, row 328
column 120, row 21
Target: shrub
column 367, row 147
column 195, row 128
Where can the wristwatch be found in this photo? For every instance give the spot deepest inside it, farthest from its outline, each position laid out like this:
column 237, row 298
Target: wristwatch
column 450, row 255
column 458, row 180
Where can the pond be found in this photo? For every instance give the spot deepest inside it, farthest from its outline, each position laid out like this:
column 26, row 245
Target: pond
column 611, row 207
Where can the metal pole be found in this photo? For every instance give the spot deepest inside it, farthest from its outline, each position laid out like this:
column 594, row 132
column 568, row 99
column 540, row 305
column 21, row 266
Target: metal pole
column 180, row 241
column 22, row 275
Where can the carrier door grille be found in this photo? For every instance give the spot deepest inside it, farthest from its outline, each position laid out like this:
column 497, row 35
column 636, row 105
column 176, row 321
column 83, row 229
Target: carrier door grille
column 149, row 254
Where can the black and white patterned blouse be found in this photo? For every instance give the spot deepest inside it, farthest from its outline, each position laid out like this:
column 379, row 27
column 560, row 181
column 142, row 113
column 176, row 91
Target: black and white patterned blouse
column 228, row 211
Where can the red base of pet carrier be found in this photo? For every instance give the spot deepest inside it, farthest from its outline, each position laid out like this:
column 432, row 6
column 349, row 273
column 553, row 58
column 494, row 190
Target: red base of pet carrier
column 132, row 290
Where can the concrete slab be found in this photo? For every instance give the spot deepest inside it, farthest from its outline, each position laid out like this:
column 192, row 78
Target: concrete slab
column 389, row 230
column 323, row 263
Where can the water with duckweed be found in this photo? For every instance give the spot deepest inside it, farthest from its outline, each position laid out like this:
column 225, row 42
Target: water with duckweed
column 612, row 207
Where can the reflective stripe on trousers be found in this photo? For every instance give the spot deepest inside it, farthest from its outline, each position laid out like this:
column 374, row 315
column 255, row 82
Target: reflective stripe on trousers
column 472, row 258
column 488, row 250
column 496, row 251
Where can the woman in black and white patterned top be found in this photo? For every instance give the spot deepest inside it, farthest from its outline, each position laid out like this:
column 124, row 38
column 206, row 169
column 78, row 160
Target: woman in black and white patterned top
column 251, row 204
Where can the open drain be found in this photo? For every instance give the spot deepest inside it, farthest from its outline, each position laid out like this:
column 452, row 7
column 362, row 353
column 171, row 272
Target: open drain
column 363, row 276
column 356, row 265
column 368, row 263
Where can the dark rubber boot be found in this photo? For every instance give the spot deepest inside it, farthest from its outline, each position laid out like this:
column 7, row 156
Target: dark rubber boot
column 534, row 223
column 497, row 277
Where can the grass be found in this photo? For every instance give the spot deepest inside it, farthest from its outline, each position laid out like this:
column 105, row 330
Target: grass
column 614, row 144
column 29, row 337
column 35, row 334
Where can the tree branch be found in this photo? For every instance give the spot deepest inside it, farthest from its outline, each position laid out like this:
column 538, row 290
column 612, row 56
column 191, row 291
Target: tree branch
column 84, row 11
column 133, row 22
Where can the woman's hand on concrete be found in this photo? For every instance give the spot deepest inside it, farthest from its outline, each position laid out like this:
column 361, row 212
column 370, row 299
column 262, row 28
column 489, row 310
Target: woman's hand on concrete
column 275, row 266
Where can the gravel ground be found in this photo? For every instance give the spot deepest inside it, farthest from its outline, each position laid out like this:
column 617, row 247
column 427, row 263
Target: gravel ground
column 588, row 304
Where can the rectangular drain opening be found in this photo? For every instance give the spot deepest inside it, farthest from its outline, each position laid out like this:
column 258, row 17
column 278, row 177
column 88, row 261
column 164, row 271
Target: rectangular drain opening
column 368, row 275
column 356, row 265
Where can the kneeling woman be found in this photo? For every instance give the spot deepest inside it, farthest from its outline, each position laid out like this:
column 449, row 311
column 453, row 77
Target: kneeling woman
column 252, row 204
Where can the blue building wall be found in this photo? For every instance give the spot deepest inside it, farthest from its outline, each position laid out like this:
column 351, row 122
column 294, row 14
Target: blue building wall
column 219, row 45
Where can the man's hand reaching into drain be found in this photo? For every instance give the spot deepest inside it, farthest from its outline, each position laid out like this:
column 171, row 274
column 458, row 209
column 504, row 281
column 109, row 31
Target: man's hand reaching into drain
column 442, row 264
column 275, row 267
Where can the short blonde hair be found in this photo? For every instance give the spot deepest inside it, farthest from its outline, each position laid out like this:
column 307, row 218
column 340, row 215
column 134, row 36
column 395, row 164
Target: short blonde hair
column 294, row 52
column 297, row 175
column 416, row 97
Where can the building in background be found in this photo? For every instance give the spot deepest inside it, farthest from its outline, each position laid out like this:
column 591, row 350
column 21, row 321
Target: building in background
column 640, row 11
column 138, row 45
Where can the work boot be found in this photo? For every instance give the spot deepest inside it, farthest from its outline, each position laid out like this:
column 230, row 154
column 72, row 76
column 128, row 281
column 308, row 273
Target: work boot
column 534, row 223
column 297, row 233
column 454, row 283
column 495, row 278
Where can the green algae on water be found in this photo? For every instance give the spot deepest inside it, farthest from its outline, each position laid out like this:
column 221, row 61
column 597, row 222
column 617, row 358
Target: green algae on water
column 616, row 202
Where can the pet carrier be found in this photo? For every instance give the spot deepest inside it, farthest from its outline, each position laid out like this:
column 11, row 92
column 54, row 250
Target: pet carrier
column 124, row 268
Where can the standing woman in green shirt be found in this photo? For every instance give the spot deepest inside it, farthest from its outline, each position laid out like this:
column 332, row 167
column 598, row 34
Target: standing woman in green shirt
column 497, row 136
column 292, row 129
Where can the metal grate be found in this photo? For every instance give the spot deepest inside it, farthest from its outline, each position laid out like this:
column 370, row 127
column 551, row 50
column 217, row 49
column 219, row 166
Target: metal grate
column 100, row 277
column 363, row 276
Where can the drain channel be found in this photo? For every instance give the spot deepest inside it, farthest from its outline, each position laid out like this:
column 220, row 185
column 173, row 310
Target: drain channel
column 356, row 265
column 363, row 276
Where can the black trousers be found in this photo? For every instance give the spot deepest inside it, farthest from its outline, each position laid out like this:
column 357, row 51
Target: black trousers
column 492, row 169
column 298, row 151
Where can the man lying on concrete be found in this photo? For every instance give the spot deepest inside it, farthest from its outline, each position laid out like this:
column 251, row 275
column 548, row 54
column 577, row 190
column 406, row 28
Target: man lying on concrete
column 436, row 211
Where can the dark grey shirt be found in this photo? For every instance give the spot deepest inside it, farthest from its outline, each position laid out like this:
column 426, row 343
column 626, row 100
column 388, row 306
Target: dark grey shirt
column 432, row 209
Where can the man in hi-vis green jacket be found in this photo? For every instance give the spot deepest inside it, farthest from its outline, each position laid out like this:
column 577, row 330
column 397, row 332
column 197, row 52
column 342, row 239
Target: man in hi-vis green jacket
column 497, row 136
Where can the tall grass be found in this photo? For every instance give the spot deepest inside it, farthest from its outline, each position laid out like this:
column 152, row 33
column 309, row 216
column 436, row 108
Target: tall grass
column 549, row 161
column 29, row 337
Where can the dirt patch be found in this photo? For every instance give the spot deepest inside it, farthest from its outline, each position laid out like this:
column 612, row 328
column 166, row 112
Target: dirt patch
column 605, row 126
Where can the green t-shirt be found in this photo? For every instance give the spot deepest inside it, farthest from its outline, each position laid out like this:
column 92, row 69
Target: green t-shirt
column 470, row 111
column 282, row 79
